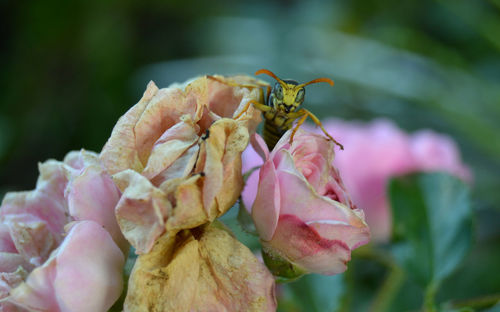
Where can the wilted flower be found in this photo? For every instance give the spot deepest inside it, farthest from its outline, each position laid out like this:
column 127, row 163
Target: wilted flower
column 204, row 269
column 60, row 245
column 377, row 151
column 175, row 155
column 301, row 210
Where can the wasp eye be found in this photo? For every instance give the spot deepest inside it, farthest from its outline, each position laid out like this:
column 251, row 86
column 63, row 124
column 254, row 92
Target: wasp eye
column 300, row 96
column 278, row 91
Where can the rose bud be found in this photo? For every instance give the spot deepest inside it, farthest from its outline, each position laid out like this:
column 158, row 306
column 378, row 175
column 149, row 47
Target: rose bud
column 377, row 151
column 302, row 212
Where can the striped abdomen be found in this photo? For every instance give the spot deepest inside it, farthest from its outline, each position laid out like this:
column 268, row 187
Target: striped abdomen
column 272, row 133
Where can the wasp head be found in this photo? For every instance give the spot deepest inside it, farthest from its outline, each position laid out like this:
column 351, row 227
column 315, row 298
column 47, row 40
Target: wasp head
column 287, row 95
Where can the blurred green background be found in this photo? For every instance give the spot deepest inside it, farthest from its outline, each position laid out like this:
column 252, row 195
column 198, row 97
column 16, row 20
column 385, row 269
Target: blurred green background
column 69, row 69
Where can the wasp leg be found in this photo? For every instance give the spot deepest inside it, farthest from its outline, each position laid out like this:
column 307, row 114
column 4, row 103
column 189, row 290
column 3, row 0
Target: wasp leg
column 317, row 122
column 259, row 106
column 299, row 123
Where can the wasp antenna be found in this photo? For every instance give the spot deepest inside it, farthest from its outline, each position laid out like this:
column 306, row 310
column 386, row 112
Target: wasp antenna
column 328, row 80
column 268, row 72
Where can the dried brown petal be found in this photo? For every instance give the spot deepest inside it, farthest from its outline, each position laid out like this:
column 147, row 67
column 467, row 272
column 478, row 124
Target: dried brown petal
column 205, row 269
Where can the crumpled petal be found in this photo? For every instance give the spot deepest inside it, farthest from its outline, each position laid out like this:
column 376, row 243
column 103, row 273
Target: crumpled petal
column 185, row 149
column 141, row 211
column 202, row 270
column 120, row 152
column 220, row 161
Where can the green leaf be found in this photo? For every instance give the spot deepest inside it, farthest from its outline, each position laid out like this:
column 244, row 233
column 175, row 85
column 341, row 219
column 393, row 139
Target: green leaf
column 312, row 292
column 432, row 225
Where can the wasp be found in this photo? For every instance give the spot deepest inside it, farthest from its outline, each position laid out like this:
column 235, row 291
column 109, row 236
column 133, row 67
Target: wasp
column 282, row 108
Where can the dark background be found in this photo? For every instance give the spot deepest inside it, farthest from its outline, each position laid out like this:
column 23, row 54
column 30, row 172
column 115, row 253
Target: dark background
column 69, row 69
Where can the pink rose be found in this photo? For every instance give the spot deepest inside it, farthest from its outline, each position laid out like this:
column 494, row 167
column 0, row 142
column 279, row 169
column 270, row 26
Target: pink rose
column 176, row 156
column 376, row 151
column 302, row 211
column 60, row 244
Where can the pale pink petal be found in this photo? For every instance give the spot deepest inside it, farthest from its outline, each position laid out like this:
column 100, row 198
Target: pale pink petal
column 6, row 243
column 89, row 269
column 266, row 208
column 10, row 262
column 250, row 189
column 83, row 274
column 37, row 292
column 260, row 146
column 250, row 159
column 94, row 196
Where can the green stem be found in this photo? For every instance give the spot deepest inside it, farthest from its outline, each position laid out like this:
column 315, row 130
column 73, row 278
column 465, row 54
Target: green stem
column 346, row 299
column 391, row 284
column 388, row 290
column 429, row 298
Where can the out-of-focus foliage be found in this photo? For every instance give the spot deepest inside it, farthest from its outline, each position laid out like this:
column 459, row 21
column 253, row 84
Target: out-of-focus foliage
column 70, row 69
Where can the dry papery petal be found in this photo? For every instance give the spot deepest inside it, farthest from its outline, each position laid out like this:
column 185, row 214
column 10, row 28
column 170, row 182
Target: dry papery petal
column 212, row 185
column 204, row 269
column 204, row 100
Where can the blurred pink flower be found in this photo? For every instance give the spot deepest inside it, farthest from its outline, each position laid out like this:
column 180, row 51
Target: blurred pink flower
column 60, row 244
column 376, row 151
column 301, row 209
column 176, row 156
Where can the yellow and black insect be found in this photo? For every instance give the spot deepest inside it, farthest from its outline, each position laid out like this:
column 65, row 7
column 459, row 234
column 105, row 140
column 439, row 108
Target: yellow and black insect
column 282, row 108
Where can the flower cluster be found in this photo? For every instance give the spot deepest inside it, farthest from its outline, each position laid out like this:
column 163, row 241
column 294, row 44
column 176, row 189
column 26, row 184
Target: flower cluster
column 60, row 246
column 172, row 166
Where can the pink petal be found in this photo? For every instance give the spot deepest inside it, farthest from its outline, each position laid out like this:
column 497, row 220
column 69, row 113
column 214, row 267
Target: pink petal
column 305, row 247
column 260, row 146
column 6, row 243
column 250, row 190
column 83, row 274
column 266, row 207
column 352, row 236
column 300, row 199
column 94, row 196
column 436, row 152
